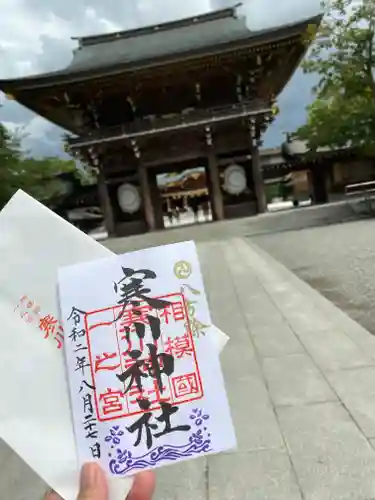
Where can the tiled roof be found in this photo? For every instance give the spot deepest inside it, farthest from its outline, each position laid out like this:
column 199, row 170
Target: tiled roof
column 207, row 33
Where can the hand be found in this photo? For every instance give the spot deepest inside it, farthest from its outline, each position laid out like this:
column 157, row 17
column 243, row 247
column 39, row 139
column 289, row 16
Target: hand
column 94, row 485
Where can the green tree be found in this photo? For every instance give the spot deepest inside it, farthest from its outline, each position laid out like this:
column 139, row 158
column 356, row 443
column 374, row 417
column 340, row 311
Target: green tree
column 38, row 177
column 343, row 56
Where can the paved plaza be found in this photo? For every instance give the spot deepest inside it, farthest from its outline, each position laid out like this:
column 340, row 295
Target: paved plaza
column 337, row 260
column 300, row 377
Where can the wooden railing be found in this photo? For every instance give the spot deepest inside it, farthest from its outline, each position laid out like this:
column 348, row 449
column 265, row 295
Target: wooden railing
column 361, row 188
column 191, row 119
column 366, row 190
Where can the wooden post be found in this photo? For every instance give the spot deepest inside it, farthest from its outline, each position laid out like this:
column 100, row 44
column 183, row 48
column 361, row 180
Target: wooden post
column 147, row 198
column 215, row 188
column 258, row 181
column 105, row 203
column 157, row 203
column 319, row 184
column 260, row 192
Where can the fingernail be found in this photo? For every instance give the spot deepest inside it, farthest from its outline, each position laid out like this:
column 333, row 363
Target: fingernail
column 89, row 476
column 52, row 495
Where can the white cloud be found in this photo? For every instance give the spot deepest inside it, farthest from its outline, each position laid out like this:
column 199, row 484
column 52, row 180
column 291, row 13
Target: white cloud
column 92, row 18
column 38, row 128
column 11, row 126
column 35, row 36
column 263, row 14
column 23, row 67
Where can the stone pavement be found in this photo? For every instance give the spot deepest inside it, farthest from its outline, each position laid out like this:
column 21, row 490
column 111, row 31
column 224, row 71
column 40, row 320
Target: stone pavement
column 337, row 260
column 300, row 377
column 268, row 223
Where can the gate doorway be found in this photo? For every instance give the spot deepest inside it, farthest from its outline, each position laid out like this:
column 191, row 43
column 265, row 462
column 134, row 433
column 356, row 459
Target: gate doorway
column 184, row 195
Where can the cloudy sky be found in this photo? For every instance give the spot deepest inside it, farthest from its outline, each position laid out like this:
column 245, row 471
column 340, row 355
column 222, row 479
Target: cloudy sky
column 35, row 37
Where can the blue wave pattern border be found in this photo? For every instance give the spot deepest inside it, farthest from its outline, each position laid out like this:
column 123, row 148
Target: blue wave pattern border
column 199, row 442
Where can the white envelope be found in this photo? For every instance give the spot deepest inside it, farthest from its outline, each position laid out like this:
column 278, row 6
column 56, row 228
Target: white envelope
column 35, row 417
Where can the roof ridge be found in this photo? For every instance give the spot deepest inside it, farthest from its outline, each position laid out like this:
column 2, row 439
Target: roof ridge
column 169, row 25
column 75, row 74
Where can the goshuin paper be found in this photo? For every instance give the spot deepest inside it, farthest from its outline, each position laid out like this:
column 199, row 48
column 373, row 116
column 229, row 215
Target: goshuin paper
column 145, row 381
column 30, row 332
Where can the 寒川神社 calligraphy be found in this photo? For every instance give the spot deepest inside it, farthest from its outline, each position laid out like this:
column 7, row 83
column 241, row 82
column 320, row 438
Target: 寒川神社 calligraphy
column 145, row 378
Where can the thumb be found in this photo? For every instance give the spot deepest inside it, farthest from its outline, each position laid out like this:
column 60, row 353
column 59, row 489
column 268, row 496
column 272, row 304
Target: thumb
column 143, row 486
column 93, row 483
column 52, row 495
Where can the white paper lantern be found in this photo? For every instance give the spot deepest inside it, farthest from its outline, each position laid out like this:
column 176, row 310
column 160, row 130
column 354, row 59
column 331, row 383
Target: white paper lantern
column 129, row 198
column 234, row 179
